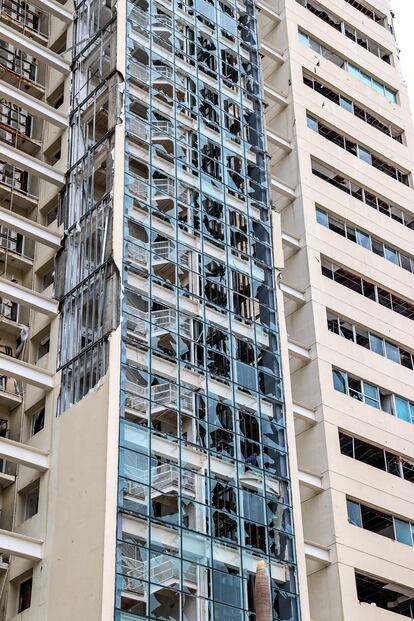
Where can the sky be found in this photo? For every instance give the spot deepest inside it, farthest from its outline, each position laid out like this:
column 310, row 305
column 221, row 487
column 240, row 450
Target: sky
column 404, row 20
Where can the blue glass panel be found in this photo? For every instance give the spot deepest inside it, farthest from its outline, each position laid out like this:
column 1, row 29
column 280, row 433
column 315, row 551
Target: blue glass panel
column 354, row 513
column 403, row 531
column 402, row 408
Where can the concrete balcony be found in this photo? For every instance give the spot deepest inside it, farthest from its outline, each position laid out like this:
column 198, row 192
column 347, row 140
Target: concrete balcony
column 26, row 19
column 28, row 297
column 33, row 106
column 317, row 557
column 23, row 454
column 24, row 372
column 31, row 164
column 310, row 484
column 21, row 545
column 34, row 49
column 11, row 393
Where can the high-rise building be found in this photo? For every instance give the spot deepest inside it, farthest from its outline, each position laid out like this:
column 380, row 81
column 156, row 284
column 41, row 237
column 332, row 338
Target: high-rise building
column 193, row 281
column 341, row 140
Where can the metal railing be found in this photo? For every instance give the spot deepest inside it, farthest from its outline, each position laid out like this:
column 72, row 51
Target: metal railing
column 24, row 15
column 144, row 19
column 166, row 476
column 157, row 129
column 14, row 60
column 163, row 477
column 143, row 72
column 15, row 179
column 163, row 319
column 15, row 118
column 163, row 570
column 9, row 310
column 162, row 395
column 10, row 386
column 162, row 187
column 163, row 250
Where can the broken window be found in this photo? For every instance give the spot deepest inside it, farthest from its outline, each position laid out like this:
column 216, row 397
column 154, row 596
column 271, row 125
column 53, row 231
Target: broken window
column 384, row 594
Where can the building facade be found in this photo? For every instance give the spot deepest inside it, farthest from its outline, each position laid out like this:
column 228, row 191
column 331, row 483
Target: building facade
column 205, row 349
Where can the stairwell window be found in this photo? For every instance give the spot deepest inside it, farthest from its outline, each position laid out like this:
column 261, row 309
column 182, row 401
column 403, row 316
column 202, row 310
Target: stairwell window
column 25, row 595
column 31, row 501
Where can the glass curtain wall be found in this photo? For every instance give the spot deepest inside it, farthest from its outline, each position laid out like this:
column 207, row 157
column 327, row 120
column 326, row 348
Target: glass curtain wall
column 203, row 475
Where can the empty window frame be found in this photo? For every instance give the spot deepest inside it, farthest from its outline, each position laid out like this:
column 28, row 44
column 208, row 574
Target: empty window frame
column 380, row 522
column 338, row 180
column 43, row 347
column 363, row 337
column 368, row 11
column 25, row 595
column 358, row 150
column 31, row 501
column 48, row 278
column 347, row 29
column 376, row 457
column 372, row 395
column 38, row 421
column 344, row 64
column 367, row 289
column 329, row 92
column 82, row 374
column 386, row 595
column 364, row 239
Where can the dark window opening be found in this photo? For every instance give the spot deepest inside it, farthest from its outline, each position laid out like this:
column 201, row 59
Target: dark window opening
column 25, row 595
column 385, row 595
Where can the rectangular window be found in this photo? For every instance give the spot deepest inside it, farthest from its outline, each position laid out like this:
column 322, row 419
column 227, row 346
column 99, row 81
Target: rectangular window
column 25, row 595
column 402, row 408
column 340, row 381
column 403, row 532
column 38, row 421
column 354, row 513
column 31, row 504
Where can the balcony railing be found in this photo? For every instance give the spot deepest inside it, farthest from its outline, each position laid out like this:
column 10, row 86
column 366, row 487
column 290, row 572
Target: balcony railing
column 10, row 386
column 162, row 189
column 157, row 72
column 9, row 310
column 16, row 62
column 14, row 120
column 164, row 395
column 144, row 19
column 162, row 251
column 164, row 319
column 15, row 179
column 157, row 129
column 24, row 17
column 163, row 478
column 164, row 571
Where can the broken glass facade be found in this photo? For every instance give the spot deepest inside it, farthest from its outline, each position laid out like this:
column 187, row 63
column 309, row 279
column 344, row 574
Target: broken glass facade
column 203, row 474
column 87, row 283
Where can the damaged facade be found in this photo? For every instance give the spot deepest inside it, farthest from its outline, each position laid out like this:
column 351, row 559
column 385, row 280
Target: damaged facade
column 186, row 204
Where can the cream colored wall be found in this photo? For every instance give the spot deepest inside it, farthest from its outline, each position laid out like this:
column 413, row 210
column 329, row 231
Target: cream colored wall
column 332, row 589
